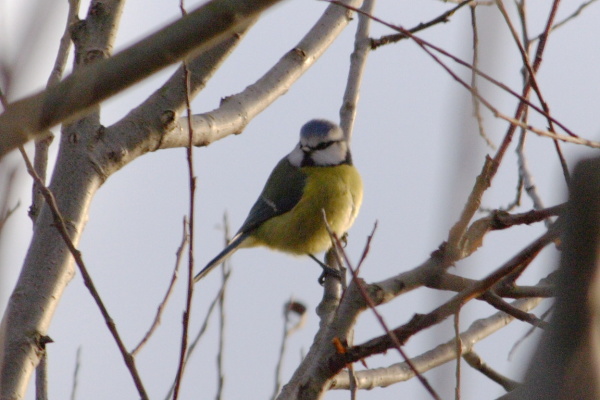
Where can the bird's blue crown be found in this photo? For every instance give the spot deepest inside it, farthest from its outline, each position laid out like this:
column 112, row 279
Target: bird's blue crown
column 318, row 127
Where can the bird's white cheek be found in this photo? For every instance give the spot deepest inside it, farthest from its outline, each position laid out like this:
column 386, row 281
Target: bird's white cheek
column 333, row 155
column 295, row 157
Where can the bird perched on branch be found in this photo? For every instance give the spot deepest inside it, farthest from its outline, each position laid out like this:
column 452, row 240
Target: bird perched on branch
column 316, row 176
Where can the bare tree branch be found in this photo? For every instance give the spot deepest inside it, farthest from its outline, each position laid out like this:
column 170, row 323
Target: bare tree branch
column 291, row 308
column 420, row 322
column 441, row 19
column 87, row 158
column 474, row 83
column 61, row 226
column 163, row 303
column 568, row 18
column 225, row 271
column 358, row 62
column 477, row 363
column 202, row 329
column 41, row 375
column 236, row 111
column 76, row 374
column 437, row 356
column 74, row 96
column 42, row 144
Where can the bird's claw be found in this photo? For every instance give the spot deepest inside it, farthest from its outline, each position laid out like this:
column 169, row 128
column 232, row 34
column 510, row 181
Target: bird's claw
column 328, row 271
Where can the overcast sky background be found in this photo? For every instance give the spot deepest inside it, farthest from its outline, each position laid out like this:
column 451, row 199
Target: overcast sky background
column 415, row 144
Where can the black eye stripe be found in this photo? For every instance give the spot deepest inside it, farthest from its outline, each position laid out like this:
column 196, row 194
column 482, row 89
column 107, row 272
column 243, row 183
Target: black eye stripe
column 324, row 145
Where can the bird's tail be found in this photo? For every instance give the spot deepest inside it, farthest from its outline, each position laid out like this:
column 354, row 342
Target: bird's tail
column 223, row 255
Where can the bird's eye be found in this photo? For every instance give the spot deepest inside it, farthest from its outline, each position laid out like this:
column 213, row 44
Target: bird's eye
column 324, row 145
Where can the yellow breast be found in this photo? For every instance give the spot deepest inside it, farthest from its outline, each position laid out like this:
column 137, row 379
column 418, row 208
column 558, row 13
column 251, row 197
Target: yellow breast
column 337, row 190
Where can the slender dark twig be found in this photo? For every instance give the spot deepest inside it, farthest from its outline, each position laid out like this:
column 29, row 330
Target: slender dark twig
column 531, row 74
column 442, row 19
column 42, row 144
column 498, row 303
column 390, row 334
column 221, row 353
column 427, row 45
column 477, row 363
column 87, row 279
column 421, row 322
column 567, row 19
column 474, row 100
column 292, row 307
column 530, row 332
column 192, row 200
column 76, row 374
column 161, row 306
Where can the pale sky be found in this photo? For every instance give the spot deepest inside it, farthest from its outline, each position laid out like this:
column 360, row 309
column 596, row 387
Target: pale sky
column 415, row 144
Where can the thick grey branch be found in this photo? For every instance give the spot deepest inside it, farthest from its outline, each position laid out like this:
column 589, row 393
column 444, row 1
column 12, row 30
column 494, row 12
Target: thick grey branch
column 196, row 32
column 142, row 130
column 236, row 111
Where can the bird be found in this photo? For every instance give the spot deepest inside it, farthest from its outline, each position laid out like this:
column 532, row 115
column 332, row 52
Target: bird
column 316, row 176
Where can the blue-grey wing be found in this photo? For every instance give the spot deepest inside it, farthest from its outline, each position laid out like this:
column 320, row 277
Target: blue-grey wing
column 281, row 193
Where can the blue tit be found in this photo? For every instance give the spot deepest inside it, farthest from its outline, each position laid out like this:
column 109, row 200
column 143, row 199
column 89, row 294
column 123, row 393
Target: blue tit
column 316, row 176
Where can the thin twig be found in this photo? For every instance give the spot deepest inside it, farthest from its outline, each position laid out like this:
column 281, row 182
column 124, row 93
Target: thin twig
column 191, row 217
column 441, row 354
column 389, row 333
column 420, row 322
column 477, row 363
column 447, row 281
column 42, row 144
column 528, row 333
column 571, row 138
column 531, row 74
column 76, row 374
column 538, row 57
column 490, row 168
column 474, row 99
column 282, row 348
column 524, row 175
column 292, row 307
column 456, row 236
column 471, row 239
column 221, row 352
column 443, row 18
column 163, row 303
column 427, row 45
column 498, row 303
column 201, row 331
column 87, row 279
column 567, row 19
column 522, row 164
column 504, row 220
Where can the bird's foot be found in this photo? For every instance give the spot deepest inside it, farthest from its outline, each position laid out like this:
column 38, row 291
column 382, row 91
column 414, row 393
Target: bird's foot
column 327, row 271
column 344, row 240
